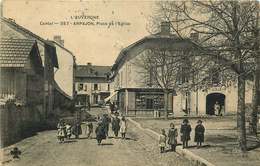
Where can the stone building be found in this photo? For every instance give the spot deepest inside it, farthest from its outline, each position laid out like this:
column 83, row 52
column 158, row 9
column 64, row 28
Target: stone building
column 135, row 96
column 11, row 30
column 21, row 88
column 92, row 84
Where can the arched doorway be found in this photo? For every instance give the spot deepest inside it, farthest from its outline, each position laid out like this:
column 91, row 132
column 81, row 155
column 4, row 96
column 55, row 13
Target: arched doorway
column 211, row 99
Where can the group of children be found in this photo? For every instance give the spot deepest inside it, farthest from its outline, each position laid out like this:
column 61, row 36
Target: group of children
column 103, row 127
column 65, row 130
column 185, row 135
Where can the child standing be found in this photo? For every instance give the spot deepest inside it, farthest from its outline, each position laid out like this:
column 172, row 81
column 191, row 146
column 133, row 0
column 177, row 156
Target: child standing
column 68, row 131
column 172, row 137
column 61, row 131
column 90, row 129
column 185, row 133
column 162, row 140
column 123, row 127
column 199, row 133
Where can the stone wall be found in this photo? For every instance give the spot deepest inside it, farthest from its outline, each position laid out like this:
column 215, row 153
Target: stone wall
column 18, row 122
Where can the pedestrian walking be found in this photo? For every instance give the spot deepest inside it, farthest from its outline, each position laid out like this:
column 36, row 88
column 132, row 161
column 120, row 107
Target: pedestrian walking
column 112, row 107
column 61, row 131
column 90, row 129
column 77, row 130
column 100, row 133
column 185, row 133
column 162, row 141
column 116, row 125
column 172, row 137
column 199, row 133
column 123, row 127
column 105, row 121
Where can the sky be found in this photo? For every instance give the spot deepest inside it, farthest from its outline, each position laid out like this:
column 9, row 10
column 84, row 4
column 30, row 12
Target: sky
column 108, row 26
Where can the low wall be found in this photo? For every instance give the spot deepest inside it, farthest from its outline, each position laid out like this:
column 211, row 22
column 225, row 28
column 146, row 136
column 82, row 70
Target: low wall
column 18, row 122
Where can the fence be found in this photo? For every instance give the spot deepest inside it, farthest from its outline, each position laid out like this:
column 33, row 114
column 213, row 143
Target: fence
column 146, row 112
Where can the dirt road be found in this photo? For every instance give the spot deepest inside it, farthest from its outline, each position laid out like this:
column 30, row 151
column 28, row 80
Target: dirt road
column 138, row 149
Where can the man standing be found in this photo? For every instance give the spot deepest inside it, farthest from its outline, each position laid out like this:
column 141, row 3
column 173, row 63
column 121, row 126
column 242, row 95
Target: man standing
column 116, row 125
column 217, row 108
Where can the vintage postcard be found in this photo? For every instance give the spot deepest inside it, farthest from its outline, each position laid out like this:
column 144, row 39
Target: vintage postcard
column 129, row 83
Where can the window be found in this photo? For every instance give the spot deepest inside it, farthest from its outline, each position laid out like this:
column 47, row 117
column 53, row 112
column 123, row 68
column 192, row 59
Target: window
column 86, row 87
column 80, row 87
column 108, row 87
column 149, row 101
column 95, row 86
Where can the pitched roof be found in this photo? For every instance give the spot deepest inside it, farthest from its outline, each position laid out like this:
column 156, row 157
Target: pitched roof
column 159, row 39
column 13, row 24
column 92, row 71
column 15, row 52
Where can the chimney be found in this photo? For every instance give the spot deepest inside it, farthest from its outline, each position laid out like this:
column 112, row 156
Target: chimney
column 194, row 36
column 165, row 28
column 57, row 38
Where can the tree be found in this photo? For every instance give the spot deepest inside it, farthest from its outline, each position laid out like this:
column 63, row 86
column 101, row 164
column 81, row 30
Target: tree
column 257, row 73
column 225, row 30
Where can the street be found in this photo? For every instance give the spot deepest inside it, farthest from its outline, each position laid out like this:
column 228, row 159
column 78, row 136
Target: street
column 138, row 149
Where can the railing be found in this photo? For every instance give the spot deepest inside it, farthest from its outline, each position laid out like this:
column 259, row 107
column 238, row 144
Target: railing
column 145, row 112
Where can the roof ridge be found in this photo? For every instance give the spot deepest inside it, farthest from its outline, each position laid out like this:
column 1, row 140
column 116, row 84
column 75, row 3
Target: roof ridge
column 22, row 28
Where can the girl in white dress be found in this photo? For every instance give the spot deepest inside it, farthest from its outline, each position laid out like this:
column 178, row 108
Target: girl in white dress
column 123, row 127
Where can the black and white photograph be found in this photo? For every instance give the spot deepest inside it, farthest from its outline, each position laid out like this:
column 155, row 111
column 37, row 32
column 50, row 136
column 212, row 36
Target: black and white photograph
column 130, row 83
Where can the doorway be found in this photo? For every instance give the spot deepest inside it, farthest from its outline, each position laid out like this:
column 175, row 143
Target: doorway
column 211, row 99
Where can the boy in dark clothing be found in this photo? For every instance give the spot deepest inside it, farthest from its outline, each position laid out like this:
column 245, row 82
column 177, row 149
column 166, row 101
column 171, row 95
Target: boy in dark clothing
column 199, row 134
column 185, row 133
column 116, row 125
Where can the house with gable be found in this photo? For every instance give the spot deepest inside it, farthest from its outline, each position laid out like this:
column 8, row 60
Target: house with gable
column 21, row 88
column 136, row 97
column 92, row 84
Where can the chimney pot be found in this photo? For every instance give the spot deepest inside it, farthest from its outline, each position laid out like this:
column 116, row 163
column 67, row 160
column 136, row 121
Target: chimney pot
column 194, row 36
column 165, row 27
column 57, row 38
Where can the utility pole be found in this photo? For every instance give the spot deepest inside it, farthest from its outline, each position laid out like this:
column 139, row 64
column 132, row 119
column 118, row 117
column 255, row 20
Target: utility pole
column 257, row 73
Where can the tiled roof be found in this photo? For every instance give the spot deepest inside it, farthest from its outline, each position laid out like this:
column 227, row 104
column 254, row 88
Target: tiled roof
column 13, row 24
column 92, row 71
column 15, row 52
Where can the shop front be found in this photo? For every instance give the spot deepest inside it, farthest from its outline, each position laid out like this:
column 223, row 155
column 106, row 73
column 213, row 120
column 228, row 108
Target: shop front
column 143, row 102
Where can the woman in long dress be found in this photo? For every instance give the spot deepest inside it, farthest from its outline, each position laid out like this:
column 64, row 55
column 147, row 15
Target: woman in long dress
column 123, row 127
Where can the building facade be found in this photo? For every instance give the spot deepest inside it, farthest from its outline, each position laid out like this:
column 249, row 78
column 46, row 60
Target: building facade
column 21, row 88
column 11, row 30
column 135, row 96
column 92, row 84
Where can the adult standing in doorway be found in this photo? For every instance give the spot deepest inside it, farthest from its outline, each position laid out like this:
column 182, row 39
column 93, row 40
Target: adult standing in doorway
column 217, row 108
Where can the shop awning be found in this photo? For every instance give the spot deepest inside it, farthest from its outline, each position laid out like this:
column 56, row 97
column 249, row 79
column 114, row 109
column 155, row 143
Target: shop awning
column 109, row 97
